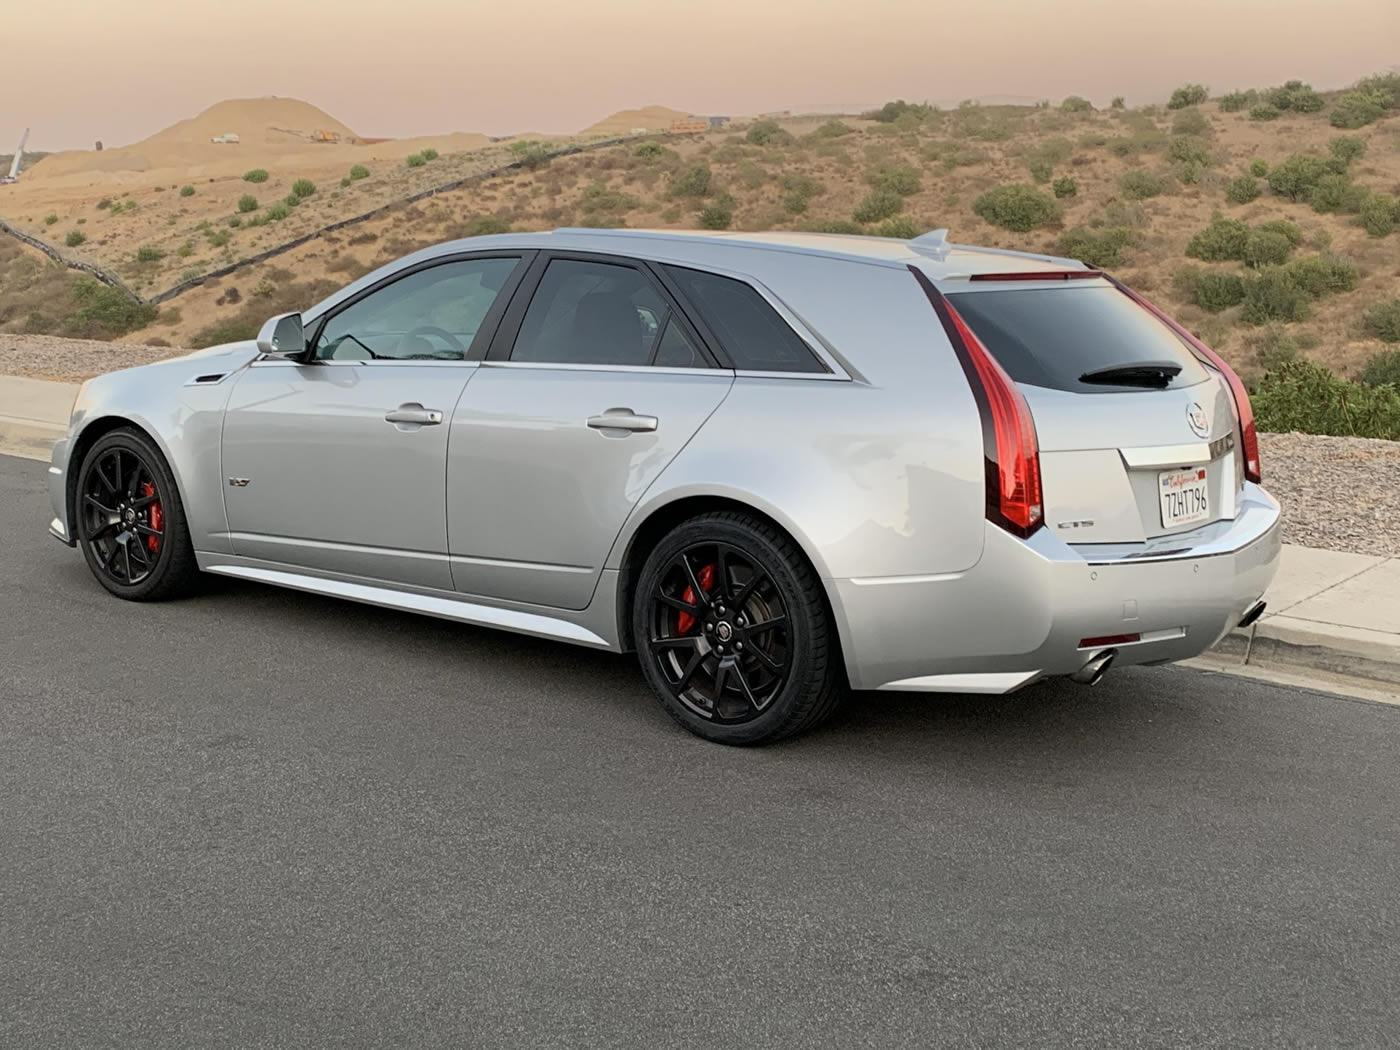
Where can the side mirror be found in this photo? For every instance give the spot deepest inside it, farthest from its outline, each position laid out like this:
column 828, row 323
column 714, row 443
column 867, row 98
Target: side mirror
column 282, row 336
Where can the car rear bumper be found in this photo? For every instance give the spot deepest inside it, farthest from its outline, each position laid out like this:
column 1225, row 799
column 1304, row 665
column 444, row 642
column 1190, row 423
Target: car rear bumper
column 1021, row 613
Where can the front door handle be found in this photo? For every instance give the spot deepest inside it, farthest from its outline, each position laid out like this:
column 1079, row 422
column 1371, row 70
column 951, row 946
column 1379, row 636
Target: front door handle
column 413, row 412
column 622, row 419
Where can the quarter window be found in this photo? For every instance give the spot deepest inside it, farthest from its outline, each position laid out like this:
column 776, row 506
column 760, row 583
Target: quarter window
column 430, row 315
column 591, row 313
column 754, row 335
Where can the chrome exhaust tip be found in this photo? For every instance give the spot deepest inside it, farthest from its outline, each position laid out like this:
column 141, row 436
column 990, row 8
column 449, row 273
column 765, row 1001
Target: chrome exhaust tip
column 1095, row 668
column 1255, row 611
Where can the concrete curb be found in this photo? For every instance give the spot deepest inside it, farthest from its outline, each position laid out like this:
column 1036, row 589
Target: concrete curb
column 27, row 439
column 1291, row 644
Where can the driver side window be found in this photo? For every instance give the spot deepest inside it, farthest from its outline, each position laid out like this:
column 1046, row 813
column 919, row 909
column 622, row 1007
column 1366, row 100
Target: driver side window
column 430, row 315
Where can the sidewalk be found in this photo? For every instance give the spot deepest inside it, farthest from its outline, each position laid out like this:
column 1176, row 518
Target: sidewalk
column 1330, row 614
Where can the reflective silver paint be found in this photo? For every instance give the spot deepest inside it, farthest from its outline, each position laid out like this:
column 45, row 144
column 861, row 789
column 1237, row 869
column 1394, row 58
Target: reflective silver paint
column 515, row 512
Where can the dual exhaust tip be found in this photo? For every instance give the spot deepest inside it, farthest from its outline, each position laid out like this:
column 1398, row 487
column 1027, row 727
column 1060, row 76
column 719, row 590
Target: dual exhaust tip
column 1098, row 664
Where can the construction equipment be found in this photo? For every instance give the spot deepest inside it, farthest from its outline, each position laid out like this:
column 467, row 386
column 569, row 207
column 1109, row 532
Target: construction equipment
column 325, row 136
column 227, row 139
column 13, row 176
column 683, row 127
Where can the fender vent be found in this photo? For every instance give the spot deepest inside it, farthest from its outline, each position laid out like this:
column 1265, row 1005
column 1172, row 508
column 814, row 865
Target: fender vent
column 212, row 377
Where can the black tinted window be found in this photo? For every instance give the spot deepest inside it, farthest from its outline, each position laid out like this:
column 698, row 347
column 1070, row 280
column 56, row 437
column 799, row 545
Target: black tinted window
column 676, row 350
column 1051, row 336
column 752, row 332
column 588, row 313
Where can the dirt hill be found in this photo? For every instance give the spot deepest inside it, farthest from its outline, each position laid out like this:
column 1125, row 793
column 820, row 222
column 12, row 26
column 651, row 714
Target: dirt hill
column 653, row 118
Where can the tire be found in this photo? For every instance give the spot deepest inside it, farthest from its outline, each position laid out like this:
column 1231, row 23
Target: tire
column 130, row 521
column 730, row 591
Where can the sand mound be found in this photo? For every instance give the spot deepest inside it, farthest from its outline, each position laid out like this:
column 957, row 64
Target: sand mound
column 263, row 125
column 653, row 118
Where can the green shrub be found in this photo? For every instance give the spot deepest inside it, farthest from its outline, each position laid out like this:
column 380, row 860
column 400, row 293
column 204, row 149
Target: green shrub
column 415, row 160
column 1041, row 170
column 529, row 155
column 104, row 204
column 359, row 171
column 1384, row 368
column 648, row 149
column 798, row 190
column 1294, row 95
column 185, row 250
column 901, row 227
column 1125, row 213
column 1075, row 104
column 303, row 188
column 480, row 226
column 1234, row 101
column 1117, row 103
column 1271, row 295
column 1210, row 291
column 1139, row 184
column 1187, row 149
column 1190, row 122
column 255, row 175
column 1356, row 109
column 1242, row 190
column 718, row 213
column 1295, row 177
column 1347, row 148
column 1065, row 187
column 50, row 219
column 277, row 212
column 1188, row 95
column 1385, row 86
column 1264, row 111
column 148, row 253
column 247, row 203
column 186, row 191
column 693, row 182
column 902, row 179
column 766, row 133
column 878, row 204
column 430, row 154
column 291, row 200
column 1101, row 248
column 1259, row 167
column 833, row 226
column 1017, row 207
column 1290, row 230
column 1302, row 396
column 235, row 221
column 832, row 129
column 105, row 312
column 1322, row 275
column 1092, row 139
column 1336, row 193
column 892, row 111
column 599, row 197
column 1266, row 247
column 1383, row 321
column 217, row 238
column 1377, row 214
column 74, row 238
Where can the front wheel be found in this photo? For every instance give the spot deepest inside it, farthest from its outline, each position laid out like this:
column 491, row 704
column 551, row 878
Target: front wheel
column 130, row 521
column 733, row 632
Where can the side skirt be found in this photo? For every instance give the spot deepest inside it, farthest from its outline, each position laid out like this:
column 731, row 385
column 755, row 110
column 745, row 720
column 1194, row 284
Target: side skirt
column 589, row 627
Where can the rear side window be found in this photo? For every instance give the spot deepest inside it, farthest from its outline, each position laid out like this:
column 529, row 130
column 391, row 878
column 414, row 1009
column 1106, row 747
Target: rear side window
column 755, row 336
column 590, row 313
column 1050, row 337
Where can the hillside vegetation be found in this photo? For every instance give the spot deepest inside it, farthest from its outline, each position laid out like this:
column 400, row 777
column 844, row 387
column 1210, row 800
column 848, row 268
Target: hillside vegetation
column 1265, row 219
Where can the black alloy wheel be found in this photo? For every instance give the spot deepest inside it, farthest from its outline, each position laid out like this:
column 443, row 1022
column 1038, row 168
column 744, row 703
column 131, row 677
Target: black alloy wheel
column 130, row 521
column 731, row 627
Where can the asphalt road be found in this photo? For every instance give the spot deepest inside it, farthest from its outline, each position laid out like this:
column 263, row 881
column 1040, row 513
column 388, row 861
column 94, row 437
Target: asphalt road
column 260, row 818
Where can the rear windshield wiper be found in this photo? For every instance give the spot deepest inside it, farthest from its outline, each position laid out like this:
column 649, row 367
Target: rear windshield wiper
column 1138, row 373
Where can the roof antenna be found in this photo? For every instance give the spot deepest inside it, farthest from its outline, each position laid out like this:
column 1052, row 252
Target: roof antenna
column 934, row 244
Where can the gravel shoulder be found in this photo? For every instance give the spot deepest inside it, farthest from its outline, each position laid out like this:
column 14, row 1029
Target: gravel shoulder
column 1337, row 492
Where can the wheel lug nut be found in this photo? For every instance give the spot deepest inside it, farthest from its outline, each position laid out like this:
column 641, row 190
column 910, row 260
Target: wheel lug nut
column 739, row 646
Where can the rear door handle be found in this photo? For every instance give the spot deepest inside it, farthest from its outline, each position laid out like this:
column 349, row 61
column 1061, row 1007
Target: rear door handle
column 413, row 412
column 622, row 419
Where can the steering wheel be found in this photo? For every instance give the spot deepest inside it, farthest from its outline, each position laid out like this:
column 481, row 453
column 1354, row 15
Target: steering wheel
column 446, row 336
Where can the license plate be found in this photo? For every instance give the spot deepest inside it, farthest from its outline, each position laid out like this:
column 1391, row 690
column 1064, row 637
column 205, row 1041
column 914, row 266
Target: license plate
column 1185, row 496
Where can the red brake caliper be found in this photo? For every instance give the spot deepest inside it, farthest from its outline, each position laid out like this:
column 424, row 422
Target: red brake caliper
column 156, row 518
column 706, row 576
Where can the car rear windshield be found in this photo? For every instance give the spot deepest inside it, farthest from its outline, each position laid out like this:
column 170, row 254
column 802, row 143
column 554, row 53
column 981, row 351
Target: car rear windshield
column 1051, row 336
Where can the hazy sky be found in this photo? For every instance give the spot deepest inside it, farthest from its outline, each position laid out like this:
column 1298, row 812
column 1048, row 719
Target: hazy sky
column 80, row 70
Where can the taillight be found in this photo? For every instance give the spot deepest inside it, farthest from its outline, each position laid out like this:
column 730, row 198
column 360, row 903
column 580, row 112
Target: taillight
column 1014, row 498
column 1244, row 411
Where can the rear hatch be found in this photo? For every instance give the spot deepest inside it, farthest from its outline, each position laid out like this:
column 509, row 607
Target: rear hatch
column 1137, row 436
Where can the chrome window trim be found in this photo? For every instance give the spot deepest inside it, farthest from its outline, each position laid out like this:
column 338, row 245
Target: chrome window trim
column 552, row 366
column 263, row 362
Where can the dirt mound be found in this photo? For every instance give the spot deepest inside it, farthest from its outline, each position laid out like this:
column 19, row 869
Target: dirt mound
column 653, row 118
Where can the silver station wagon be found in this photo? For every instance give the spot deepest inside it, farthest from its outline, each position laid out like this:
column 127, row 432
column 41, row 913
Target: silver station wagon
column 777, row 466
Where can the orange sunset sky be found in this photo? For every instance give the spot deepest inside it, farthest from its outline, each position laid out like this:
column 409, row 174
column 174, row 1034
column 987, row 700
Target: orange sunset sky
column 80, row 70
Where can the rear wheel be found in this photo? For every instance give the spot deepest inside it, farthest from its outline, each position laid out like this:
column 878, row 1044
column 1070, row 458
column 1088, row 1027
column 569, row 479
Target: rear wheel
column 130, row 521
column 733, row 633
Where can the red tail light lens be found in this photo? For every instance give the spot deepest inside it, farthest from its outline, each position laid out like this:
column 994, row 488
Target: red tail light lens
column 1244, row 411
column 1014, row 498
